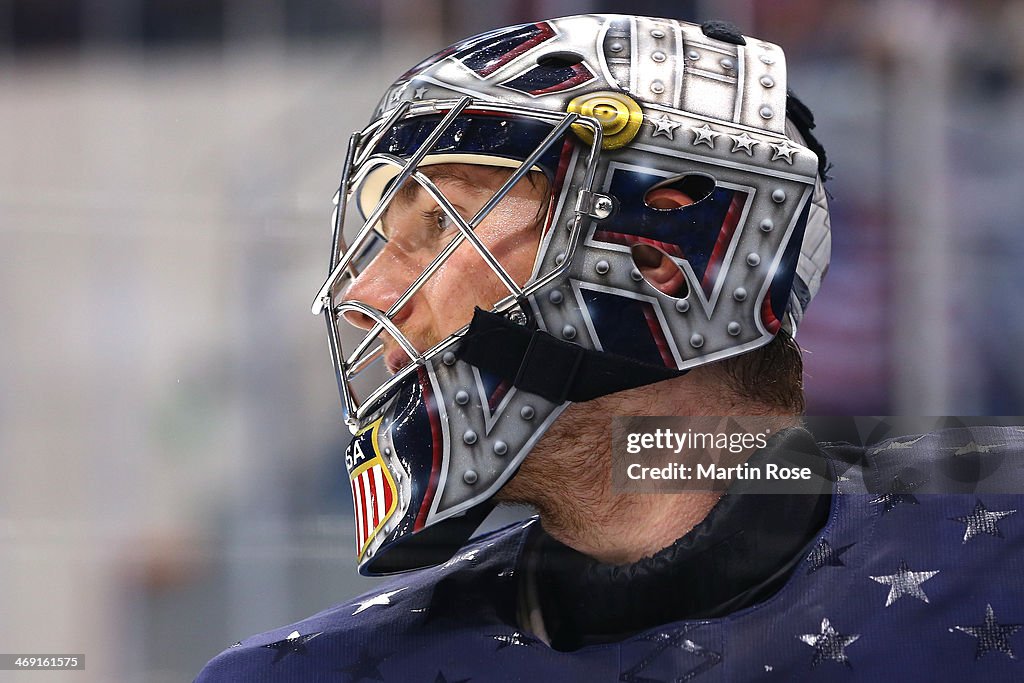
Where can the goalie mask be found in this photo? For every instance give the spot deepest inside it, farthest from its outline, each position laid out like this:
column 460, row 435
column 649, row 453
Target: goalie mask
column 525, row 172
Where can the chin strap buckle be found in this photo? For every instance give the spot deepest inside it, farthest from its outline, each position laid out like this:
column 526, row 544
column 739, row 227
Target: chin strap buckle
column 549, row 367
column 538, row 363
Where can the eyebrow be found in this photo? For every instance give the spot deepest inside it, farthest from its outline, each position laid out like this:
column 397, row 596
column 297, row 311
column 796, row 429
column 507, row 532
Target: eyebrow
column 412, row 189
column 453, row 176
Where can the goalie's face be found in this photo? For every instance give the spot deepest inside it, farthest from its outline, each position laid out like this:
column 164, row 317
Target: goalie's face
column 416, row 229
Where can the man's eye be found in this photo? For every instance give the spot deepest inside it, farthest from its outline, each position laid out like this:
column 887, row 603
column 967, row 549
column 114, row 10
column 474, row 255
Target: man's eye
column 443, row 221
column 438, row 220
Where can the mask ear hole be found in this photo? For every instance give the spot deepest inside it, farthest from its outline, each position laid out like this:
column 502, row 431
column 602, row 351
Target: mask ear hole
column 660, row 271
column 679, row 192
column 559, row 60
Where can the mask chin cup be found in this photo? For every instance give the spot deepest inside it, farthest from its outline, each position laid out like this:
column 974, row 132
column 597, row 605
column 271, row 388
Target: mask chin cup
column 428, row 547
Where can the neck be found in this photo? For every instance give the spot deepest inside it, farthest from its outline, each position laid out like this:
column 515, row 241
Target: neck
column 568, row 478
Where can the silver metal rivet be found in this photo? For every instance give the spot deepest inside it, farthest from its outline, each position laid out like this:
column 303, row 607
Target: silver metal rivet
column 740, row 294
column 448, row 358
column 469, row 437
column 753, row 260
column 500, row 448
column 682, row 305
column 555, row 297
column 767, row 81
column 387, row 451
column 602, row 267
column 693, row 54
column 461, row 397
column 767, row 225
column 657, row 87
column 469, row 477
column 766, row 112
column 765, row 59
column 696, row 340
column 615, row 47
column 778, row 196
column 603, row 207
column 726, row 63
column 733, row 328
column 658, row 57
column 559, row 259
column 636, row 275
column 658, row 33
column 527, row 413
column 569, row 332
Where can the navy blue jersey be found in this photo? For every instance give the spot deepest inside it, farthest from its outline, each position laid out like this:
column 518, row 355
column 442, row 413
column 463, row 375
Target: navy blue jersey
column 900, row 584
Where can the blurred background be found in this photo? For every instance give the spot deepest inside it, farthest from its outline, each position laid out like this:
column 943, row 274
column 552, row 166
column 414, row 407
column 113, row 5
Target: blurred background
column 170, row 434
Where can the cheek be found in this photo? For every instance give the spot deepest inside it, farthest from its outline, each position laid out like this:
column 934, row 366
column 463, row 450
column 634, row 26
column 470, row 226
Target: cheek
column 512, row 233
column 465, row 281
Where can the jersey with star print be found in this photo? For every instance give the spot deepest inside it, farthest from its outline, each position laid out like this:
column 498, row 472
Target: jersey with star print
column 902, row 583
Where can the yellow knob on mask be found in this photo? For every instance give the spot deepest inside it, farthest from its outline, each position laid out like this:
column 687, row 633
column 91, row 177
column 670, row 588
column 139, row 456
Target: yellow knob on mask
column 619, row 115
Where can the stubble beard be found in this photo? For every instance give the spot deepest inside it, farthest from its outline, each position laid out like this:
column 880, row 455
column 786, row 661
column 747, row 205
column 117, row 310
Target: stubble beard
column 567, row 475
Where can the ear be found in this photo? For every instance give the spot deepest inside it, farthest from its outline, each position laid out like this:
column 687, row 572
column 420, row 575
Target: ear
column 667, row 198
column 660, row 271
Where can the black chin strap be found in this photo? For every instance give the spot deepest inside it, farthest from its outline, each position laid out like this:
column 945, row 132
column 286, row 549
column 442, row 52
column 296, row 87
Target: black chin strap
column 538, row 363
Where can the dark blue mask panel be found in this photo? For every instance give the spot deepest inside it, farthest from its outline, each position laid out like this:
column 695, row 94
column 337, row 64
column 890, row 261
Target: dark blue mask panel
column 490, row 52
column 627, row 327
column 699, row 233
column 507, row 137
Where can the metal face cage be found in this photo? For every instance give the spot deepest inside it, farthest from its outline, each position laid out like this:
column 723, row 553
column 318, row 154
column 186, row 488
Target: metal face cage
column 366, row 153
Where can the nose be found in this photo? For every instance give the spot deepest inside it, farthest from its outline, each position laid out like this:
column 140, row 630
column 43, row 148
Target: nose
column 380, row 285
